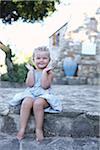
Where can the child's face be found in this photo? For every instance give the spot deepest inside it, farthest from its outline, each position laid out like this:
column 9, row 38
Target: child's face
column 41, row 59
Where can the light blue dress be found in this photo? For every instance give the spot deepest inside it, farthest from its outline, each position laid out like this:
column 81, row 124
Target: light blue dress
column 37, row 91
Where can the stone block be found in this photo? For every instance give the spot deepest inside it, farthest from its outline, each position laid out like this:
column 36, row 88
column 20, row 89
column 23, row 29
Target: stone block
column 76, row 80
column 63, row 124
column 81, row 127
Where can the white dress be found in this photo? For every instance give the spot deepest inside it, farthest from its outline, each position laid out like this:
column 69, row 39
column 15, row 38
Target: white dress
column 37, row 91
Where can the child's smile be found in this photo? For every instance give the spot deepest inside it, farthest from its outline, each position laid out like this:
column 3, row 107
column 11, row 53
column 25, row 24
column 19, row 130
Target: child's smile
column 41, row 60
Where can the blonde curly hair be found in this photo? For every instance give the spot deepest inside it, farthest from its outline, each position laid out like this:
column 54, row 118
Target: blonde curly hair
column 41, row 49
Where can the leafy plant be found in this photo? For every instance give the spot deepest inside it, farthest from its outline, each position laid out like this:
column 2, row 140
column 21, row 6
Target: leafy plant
column 19, row 76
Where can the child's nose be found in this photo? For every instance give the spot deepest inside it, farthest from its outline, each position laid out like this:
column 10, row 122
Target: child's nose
column 41, row 59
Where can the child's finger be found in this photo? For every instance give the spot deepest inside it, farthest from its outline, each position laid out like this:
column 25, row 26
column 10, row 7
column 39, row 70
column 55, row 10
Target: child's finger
column 29, row 67
column 48, row 69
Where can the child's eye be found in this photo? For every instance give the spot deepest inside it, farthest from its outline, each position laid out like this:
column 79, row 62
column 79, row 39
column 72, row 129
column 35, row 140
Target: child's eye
column 38, row 58
column 45, row 58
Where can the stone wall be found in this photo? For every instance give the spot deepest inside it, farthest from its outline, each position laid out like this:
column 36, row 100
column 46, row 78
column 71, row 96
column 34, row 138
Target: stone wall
column 88, row 64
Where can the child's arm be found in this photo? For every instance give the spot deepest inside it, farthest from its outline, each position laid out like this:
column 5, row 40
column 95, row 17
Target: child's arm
column 30, row 80
column 47, row 77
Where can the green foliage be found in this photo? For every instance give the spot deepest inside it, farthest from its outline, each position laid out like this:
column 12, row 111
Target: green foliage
column 28, row 11
column 4, row 77
column 20, row 73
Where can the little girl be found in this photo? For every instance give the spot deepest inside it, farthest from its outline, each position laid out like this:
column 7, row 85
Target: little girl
column 38, row 96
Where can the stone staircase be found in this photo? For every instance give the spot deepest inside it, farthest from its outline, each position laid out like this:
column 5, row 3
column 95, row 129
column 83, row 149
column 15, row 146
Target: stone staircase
column 70, row 81
column 69, row 130
column 68, row 123
column 75, row 128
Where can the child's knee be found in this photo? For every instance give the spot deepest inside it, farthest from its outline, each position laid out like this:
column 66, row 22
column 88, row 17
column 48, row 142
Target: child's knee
column 27, row 102
column 38, row 104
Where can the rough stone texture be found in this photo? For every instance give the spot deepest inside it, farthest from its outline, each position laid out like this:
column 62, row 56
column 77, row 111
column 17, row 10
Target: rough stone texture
column 79, row 118
column 76, row 128
column 82, row 127
column 89, row 64
column 54, row 143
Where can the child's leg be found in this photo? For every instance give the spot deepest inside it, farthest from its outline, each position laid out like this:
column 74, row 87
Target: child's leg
column 38, row 107
column 26, row 107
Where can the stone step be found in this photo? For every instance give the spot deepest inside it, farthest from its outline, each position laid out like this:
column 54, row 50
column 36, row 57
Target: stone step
column 80, row 116
column 71, row 81
column 70, row 123
column 77, row 80
column 8, row 142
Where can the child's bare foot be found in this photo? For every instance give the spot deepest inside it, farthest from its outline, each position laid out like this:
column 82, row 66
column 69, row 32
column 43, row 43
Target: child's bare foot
column 39, row 135
column 20, row 135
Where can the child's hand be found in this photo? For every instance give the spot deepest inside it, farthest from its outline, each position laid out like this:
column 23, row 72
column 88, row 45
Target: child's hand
column 29, row 67
column 47, row 69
